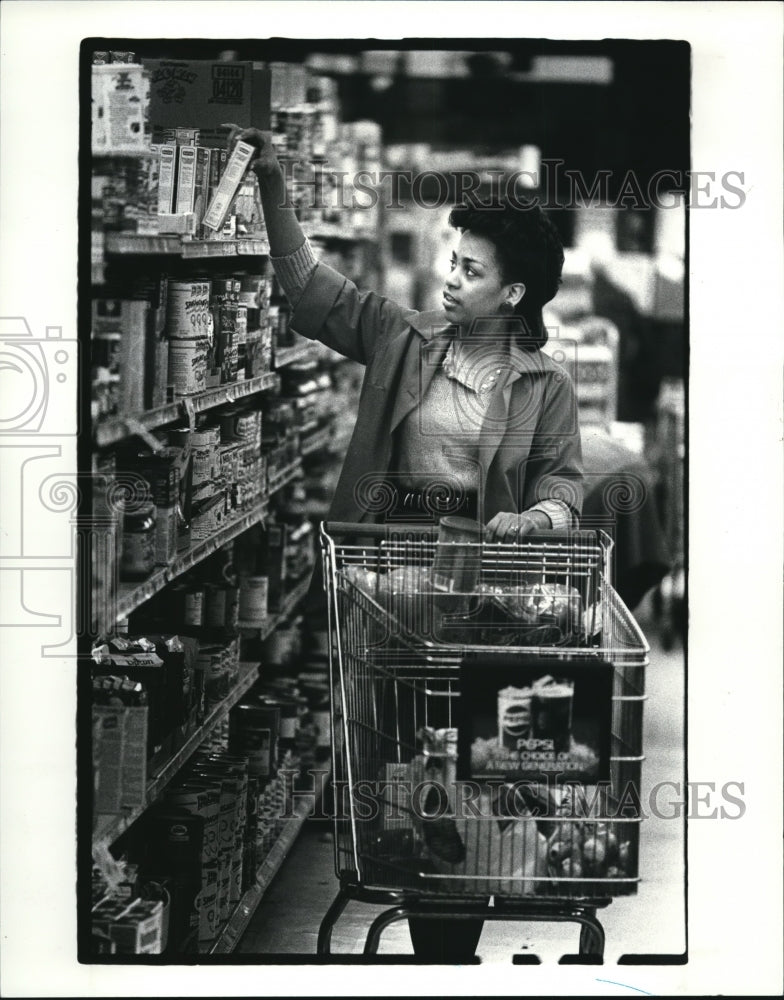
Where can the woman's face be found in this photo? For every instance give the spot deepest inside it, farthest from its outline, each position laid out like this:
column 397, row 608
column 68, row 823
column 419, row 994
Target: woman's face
column 474, row 286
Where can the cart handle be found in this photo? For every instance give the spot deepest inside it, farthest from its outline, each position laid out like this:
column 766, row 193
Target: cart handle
column 372, row 530
column 381, row 531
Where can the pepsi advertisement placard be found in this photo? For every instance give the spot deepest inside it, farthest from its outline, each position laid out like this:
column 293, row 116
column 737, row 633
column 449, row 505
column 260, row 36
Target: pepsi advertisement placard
column 529, row 718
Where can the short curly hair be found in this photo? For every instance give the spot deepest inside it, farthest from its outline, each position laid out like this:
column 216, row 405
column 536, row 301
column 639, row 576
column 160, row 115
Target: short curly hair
column 529, row 250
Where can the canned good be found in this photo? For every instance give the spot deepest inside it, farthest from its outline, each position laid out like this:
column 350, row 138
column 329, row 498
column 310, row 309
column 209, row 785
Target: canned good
column 253, row 733
column 205, row 444
column 216, row 681
column 207, row 904
column 193, row 606
column 187, row 309
column 200, row 799
column 207, row 517
column 232, row 616
column 242, row 338
column 188, row 366
column 215, row 607
column 254, row 592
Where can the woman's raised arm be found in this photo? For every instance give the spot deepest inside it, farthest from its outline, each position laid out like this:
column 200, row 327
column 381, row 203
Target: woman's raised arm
column 283, row 229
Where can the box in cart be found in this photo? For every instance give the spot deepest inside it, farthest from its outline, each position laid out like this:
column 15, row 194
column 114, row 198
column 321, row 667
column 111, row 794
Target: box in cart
column 395, row 797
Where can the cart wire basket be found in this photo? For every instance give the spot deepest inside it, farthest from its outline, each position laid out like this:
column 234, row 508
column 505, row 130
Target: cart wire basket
column 406, row 830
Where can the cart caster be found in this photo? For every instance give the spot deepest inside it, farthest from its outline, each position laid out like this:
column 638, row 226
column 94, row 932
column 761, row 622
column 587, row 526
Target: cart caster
column 592, row 940
column 331, row 917
column 591, row 947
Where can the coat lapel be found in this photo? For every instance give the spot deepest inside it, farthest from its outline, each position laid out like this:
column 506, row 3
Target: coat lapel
column 425, row 352
column 496, row 422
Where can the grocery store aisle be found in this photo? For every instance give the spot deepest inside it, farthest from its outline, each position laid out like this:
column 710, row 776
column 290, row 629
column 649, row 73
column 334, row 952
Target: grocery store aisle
column 651, row 922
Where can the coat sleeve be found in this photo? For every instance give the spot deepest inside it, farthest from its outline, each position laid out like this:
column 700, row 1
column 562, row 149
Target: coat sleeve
column 353, row 323
column 555, row 466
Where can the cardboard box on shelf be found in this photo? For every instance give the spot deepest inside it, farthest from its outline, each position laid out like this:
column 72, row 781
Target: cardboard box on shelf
column 204, row 94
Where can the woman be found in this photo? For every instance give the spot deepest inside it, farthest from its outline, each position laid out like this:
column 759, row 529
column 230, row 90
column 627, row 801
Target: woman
column 459, row 412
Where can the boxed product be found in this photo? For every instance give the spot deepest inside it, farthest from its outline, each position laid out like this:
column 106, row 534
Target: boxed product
column 167, row 178
column 172, row 842
column 204, row 94
column 165, row 666
column 228, row 186
column 119, row 757
column 119, row 333
column 118, row 114
column 139, row 929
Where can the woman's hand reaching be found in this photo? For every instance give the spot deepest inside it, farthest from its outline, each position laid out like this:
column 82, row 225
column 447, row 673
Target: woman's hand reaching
column 265, row 162
column 283, row 230
column 511, row 527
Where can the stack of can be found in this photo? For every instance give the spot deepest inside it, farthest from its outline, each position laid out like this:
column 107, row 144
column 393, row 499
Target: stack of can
column 225, row 305
column 163, row 471
column 240, row 454
column 208, row 498
column 189, row 330
column 219, row 663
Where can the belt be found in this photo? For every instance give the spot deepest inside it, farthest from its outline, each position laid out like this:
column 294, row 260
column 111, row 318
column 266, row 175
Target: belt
column 429, row 505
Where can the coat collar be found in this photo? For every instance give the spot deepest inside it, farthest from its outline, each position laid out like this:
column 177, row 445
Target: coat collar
column 434, row 323
column 431, row 323
column 424, row 356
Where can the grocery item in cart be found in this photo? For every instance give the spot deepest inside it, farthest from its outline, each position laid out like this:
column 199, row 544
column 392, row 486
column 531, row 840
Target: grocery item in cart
column 472, row 843
column 584, row 840
column 531, row 614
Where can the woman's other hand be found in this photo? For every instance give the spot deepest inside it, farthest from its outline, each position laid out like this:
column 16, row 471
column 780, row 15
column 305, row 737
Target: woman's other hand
column 266, row 160
column 511, row 527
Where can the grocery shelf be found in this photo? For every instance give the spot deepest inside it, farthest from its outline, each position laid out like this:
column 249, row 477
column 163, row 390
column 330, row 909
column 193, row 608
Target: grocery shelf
column 297, row 352
column 248, row 247
column 110, row 826
column 108, row 432
column 189, row 249
column 237, row 923
column 283, row 478
column 290, row 602
column 135, row 243
column 318, row 440
column 332, row 231
column 131, row 596
column 129, row 153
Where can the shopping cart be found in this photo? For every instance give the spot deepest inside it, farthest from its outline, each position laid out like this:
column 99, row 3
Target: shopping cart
column 399, row 647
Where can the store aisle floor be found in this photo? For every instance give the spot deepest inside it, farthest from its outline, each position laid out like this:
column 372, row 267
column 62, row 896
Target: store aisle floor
column 651, row 922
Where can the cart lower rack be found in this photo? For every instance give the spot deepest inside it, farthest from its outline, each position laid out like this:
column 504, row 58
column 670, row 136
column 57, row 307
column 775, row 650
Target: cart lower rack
column 487, row 740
